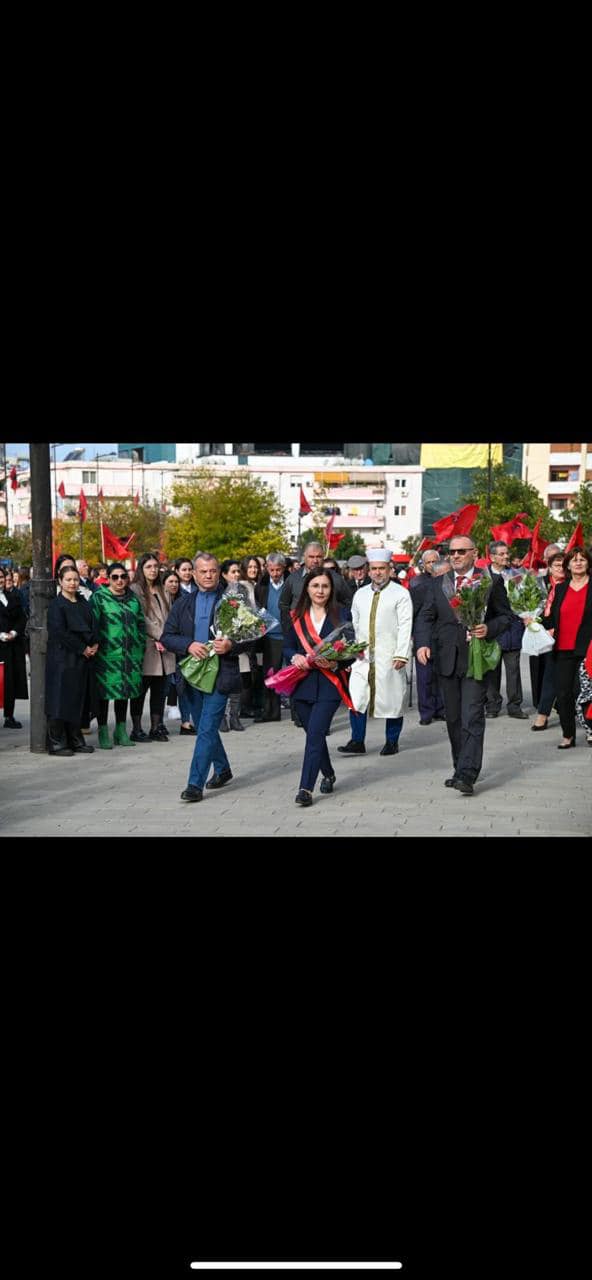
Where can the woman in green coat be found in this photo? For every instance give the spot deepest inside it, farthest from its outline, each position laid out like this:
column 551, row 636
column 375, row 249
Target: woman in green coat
column 118, row 664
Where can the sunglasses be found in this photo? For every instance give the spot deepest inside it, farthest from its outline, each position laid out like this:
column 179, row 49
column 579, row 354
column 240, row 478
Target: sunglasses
column 117, row 577
column 460, row 551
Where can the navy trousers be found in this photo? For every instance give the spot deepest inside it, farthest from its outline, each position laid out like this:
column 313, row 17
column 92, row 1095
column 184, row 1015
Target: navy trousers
column 316, row 720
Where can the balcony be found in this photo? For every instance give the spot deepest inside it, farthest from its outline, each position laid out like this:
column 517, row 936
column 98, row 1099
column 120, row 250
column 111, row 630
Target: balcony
column 355, row 493
column 369, row 520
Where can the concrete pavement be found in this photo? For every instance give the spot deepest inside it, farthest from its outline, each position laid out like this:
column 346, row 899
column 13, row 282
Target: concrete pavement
column 526, row 786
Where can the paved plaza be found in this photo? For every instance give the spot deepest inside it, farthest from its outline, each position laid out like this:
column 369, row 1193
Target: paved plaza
column 526, row 788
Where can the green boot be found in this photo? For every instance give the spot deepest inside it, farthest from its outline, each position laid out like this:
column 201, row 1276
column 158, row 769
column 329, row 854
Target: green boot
column 104, row 738
column 121, row 737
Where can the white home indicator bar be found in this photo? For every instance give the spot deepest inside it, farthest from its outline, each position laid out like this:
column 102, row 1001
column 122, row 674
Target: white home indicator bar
column 296, row 1266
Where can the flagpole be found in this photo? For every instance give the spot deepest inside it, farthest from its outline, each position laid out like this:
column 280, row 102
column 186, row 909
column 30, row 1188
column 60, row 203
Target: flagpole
column 102, row 539
column 81, row 535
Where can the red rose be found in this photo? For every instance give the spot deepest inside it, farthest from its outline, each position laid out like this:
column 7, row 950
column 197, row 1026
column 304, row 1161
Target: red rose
column 339, row 645
column 234, row 604
column 455, row 602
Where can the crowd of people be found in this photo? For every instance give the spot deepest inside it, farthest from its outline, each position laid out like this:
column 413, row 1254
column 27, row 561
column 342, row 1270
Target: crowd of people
column 115, row 635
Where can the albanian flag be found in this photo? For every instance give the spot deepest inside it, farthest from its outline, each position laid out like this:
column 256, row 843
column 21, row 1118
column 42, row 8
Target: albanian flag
column 62, row 489
column 305, row 506
column 82, row 506
column 113, row 548
column 534, row 557
column 577, row 538
column 13, row 479
column 458, row 523
column 512, row 529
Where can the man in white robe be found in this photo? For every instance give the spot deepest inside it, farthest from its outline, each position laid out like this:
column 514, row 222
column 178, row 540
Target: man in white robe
column 382, row 615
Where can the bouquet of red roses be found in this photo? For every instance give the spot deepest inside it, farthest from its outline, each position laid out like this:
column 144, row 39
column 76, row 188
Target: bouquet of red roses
column 332, row 648
column 470, row 605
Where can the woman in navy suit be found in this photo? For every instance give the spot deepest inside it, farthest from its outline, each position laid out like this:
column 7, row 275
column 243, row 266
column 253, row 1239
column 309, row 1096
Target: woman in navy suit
column 317, row 697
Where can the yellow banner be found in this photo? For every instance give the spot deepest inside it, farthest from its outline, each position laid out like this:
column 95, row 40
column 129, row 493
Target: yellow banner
column 459, row 455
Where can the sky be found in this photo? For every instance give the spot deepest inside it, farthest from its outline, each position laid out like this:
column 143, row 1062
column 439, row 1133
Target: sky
column 63, row 449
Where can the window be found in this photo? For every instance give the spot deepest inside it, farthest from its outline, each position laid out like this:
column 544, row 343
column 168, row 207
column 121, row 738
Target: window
column 403, row 511
column 557, row 504
column 397, row 484
column 397, row 511
column 89, row 477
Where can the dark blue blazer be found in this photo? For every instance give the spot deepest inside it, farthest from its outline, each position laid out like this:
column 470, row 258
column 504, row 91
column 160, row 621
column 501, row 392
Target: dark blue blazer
column 178, row 635
column 315, row 687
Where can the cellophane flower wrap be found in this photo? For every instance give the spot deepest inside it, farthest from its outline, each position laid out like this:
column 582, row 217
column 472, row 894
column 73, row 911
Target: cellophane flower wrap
column 470, row 607
column 335, row 648
column 234, row 619
column 527, row 599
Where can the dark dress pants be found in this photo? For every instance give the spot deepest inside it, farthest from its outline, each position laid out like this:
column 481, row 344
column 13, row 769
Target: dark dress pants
column 272, row 659
column 316, row 719
column 464, row 701
column 429, row 697
column 493, row 680
column 567, row 675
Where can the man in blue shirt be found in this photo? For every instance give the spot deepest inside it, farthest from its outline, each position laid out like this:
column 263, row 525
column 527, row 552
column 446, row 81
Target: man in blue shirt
column 187, row 630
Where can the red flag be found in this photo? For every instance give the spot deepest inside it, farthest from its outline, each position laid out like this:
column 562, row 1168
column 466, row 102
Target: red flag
column 62, row 489
column 534, row 557
column 424, row 545
column 334, row 540
column 101, row 495
column 512, row 529
column 113, row 548
column 137, row 499
column 82, row 506
column 577, row 538
column 305, row 506
column 460, row 522
column 13, row 479
column 329, row 527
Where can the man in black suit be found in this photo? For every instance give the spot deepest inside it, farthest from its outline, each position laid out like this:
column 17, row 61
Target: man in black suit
column 438, row 631
column 429, row 698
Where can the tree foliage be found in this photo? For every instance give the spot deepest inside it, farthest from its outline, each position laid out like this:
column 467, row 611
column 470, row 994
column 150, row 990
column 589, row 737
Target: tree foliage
column 352, row 544
column 228, row 515
column 147, row 521
column 411, row 543
column 581, row 509
column 17, row 547
column 509, row 496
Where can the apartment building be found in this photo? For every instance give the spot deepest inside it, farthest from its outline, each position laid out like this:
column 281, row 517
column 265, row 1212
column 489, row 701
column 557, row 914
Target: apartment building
column 557, row 471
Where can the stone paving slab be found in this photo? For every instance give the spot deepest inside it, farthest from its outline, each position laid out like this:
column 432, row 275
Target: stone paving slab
column 526, row 787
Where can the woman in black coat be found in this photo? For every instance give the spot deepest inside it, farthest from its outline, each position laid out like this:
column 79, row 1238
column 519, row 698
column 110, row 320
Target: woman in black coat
column 72, row 642
column 12, row 651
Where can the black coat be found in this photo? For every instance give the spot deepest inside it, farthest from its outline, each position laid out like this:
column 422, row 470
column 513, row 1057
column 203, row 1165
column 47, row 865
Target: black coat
column 584, row 635
column 437, row 626
column 178, row 635
column 12, row 652
column 71, row 626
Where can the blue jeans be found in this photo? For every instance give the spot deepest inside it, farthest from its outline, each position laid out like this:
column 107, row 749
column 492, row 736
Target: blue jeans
column 207, row 710
column 358, row 727
column 182, row 696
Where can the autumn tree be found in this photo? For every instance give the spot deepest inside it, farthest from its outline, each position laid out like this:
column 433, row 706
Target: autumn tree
column 227, row 515
column 17, row 547
column 507, row 496
column 352, row 544
column 147, row 521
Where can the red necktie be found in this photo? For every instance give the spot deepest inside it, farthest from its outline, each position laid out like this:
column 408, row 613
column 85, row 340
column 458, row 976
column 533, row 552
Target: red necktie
column 460, row 581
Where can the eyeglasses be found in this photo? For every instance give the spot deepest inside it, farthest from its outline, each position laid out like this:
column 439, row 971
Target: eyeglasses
column 460, row 551
column 118, row 577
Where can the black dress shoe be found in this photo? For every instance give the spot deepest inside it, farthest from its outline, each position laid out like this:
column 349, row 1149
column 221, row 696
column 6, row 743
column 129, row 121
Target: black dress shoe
column 192, row 793
column 440, row 718
column 11, row 723
column 353, row 749
column 390, row 749
column 156, row 735
column 491, row 715
column 538, row 728
column 191, row 729
column 564, row 746
column 327, row 784
column 518, row 715
column 219, row 780
column 138, row 735
column 449, row 782
column 427, row 721
column 304, row 798
column 466, row 788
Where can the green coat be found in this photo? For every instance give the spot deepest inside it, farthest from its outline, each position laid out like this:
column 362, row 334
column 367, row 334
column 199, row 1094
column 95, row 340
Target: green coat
column 122, row 640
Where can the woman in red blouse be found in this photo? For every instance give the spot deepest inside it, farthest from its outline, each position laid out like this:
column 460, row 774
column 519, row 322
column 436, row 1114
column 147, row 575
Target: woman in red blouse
column 571, row 620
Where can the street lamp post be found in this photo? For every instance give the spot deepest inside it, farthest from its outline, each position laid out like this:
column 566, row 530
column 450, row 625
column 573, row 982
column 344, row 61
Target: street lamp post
column 42, row 587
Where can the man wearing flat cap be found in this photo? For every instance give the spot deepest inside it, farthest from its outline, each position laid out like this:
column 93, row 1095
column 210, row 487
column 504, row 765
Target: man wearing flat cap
column 382, row 615
column 358, row 572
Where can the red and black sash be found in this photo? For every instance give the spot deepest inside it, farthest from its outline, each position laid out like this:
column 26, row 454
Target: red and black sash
column 308, row 637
